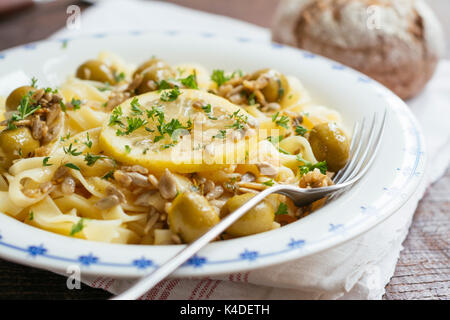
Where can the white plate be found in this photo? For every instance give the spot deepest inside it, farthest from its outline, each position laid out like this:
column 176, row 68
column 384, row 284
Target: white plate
column 393, row 178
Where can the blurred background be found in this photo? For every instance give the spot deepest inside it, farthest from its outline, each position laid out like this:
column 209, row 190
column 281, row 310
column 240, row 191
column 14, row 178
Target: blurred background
column 22, row 21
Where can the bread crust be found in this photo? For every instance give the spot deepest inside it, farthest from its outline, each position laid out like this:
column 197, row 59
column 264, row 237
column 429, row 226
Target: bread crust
column 396, row 42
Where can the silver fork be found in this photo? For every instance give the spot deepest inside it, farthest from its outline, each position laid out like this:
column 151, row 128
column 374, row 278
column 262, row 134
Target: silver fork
column 364, row 146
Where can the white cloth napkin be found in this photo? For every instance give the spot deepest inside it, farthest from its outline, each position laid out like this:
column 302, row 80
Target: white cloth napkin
column 358, row 269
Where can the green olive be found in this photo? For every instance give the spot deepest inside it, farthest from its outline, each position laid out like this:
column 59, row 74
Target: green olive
column 97, row 71
column 191, row 215
column 259, row 219
column 13, row 100
column 329, row 143
column 153, row 71
column 277, row 86
column 15, row 144
column 152, row 63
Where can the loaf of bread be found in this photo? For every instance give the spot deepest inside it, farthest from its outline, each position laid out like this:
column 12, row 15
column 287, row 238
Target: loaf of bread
column 396, row 42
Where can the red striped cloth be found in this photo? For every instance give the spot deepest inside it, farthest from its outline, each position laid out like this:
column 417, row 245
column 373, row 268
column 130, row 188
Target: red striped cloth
column 188, row 289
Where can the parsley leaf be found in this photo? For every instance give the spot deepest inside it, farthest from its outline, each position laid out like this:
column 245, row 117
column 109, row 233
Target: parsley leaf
column 72, row 166
column 283, row 121
column 88, row 142
column 115, row 116
column 190, row 81
column 71, row 151
column 25, row 108
column 300, row 130
column 282, row 209
column 308, row 166
column 171, row 95
column 207, row 109
column 240, row 120
column 78, row 227
column 135, row 107
column 45, row 162
column 66, row 137
column 218, row 76
column 221, row 135
column 119, row 77
column 92, row 159
column 127, row 149
column 109, row 175
column 75, row 103
column 33, row 82
column 132, row 125
column 251, row 99
column 163, row 85
column 268, row 183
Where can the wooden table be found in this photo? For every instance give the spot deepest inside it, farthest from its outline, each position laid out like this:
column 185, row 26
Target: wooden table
column 422, row 272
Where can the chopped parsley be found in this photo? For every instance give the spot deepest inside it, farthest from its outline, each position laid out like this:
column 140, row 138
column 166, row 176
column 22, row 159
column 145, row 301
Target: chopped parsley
column 168, row 145
column 190, row 81
column 115, row 116
column 75, row 103
column 308, row 166
column 92, row 159
column 219, row 77
column 170, row 127
column 127, row 149
column 135, row 107
column 78, row 227
column 71, row 151
column 108, row 175
column 156, row 111
column 45, row 162
column 72, row 166
column 282, row 209
column 283, row 121
column 207, row 109
column 170, row 95
column 88, row 142
column 106, row 87
column 251, row 99
column 66, row 137
column 132, row 125
column 240, row 120
column 119, row 77
column 163, row 85
column 31, row 216
column 221, row 135
column 300, row 130
column 25, row 108
column 33, row 82
column 268, row 183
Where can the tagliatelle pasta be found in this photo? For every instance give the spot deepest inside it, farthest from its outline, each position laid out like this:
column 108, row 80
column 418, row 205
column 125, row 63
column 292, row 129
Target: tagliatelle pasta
column 158, row 154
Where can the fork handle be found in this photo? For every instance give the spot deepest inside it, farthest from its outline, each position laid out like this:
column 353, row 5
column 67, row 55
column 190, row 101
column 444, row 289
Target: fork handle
column 149, row 281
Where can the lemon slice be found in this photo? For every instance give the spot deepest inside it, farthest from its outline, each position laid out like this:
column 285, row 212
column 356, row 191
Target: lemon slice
column 182, row 130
